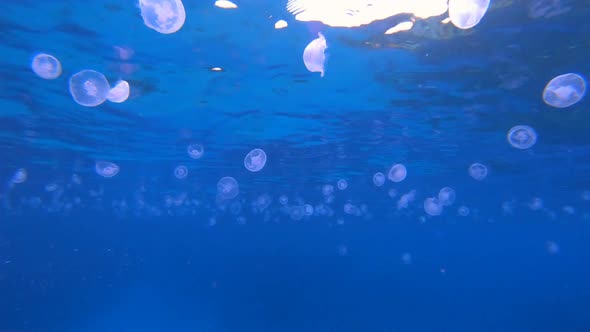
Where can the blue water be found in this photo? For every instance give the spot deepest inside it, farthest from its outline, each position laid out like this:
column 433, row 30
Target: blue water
column 145, row 251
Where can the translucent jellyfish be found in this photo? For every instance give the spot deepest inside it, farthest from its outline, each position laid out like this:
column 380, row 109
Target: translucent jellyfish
column 446, row 196
column 164, row 16
column 313, row 55
column 46, row 66
column 466, row 14
column 327, row 189
column 180, row 172
column 378, row 179
column 432, row 206
column 397, row 173
column 564, row 90
column 281, row 24
column 195, row 150
column 307, row 209
column 255, row 160
column 89, row 88
column 522, row 137
column 19, row 176
column 478, row 171
column 106, row 169
column 225, row 4
column 227, row 188
column 463, row 211
column 342, row 184
column 296, row 212
column 119, row 93
column 283, row 200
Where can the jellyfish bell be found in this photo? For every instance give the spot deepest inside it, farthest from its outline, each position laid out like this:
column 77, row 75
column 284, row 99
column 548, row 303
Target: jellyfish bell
column 89, row 88
column 564, row 90
column 227, row 188
column 119, row 93
column 313, row 55
column 255, row 160
column 46, row 66
column 478, row 171
column 397, row 173
column 522, row 137
column 106, row 169
column 466, row 14
column 163, row 16
column 195, row 150
column 432, row 206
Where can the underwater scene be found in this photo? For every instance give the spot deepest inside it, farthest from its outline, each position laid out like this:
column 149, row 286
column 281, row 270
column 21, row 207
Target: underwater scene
column 294, row 166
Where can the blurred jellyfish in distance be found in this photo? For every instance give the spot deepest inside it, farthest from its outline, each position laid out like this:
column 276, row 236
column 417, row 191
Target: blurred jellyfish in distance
column 522, row 137
column 564, row 90
column 466, row 14
column 313, row 55
column 89, row 88
column 106, row 169
column 195, row 150
column 119, row 93
column 227, row 188
column 46, row 66
column 180, row 172
column 478, row 171
column 397, row 173
column 255, row 160
column 446, row 196
column 432, row 206
column 378, row 179
column 19, row 176
column 164, row 16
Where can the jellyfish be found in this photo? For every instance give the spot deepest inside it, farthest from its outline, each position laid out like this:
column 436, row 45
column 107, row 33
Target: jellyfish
column 106, row 169
column 195, row 150
column 119, row 93
column 46, row 66
column 164, row 16
column 342, row 184
column 397, row 173
column 478, row 171
column 564, row 90
column 522, row 137
column 378, row 179
column 89, row 88
column 227, row 188
column 255, row 160
column 446, row 196
column 313, row 55
column 432, row 206
column 180, row 172
column 466, row 14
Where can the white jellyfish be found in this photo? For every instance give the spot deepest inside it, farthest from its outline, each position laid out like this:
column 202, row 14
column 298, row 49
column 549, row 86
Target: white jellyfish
column 564, row 90
column 342, row 184
column 432, row 206
column 225, row 4
column 195, row 150
column 313, row 55
column 89, row 88
column 522, row 137
column 446, row 196
column 478, row 171
column 255, row 160
column 180, row 172
column 466, row 14
column 397, row 173
column 378, row 179
column 106, row 169
column 119, row 93
column 46, row 66
column 164, row 16
column 281, row 24
column 227, row 188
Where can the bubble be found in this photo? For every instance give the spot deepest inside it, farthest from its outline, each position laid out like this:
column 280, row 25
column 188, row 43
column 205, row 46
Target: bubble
column 255, row 160
column 195, row 150
column 46, row 66
column 342, row 184
column 106, row 169
column 119, row 93
column 466, row 14
column 180, row 172
column 378, row 179
column 463, row 211
column 164, row 16
column 397, row 173
column 313, row 55
column 478, row 171
column 564, row 90
column 446, row 196
column 522, row 137
column 19, row 176
column 432, row 206
column 227, row 188
column 89, row 88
